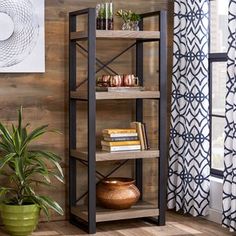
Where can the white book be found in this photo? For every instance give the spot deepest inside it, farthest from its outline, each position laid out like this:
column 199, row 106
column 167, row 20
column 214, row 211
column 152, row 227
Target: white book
column 121, row 148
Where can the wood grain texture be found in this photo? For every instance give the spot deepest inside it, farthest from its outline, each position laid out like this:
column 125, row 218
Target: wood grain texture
column 177, row 225
column 45, row 96
column 117, row 95
column 141, row 209
column 117, row 34
column 115, row 156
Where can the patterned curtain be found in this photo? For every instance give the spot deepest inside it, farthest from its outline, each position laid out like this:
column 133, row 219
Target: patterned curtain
column 189, row 169
column 229, row 184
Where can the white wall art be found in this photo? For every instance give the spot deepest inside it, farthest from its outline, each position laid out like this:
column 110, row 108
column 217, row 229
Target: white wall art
column 22, row 39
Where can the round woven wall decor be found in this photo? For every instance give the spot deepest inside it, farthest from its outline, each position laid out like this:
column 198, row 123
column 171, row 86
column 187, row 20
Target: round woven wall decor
column 19, row 30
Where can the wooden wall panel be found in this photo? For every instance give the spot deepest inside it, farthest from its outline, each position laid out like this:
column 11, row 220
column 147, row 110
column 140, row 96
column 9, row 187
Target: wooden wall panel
column 45, row 96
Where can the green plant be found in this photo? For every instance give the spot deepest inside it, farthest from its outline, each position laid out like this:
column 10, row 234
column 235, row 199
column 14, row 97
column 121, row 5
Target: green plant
column 135, row 17
column 105, row 12
column 26, row 168
column 102, row 12
column 128, row 15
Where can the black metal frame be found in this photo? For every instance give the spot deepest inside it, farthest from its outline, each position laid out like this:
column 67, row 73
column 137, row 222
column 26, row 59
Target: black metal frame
column 213, row 57
column 90, row 226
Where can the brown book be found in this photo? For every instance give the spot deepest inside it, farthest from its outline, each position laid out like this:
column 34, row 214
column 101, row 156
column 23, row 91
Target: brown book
column 138, row 127
column 145, row 136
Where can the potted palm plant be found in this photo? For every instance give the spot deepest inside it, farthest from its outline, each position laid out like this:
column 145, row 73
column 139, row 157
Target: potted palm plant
column 25, row 168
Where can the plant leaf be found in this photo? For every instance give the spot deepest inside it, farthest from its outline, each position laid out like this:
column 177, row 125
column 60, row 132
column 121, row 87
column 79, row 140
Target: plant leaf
column 57, row 176
column 34, row 134
column 47, row 201
column 4, row 191
column 6, row 159
column 51, row 157
column 19, row 165
column 20, row 121
column 6, row 136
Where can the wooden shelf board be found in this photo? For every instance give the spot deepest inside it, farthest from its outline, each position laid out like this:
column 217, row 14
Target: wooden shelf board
column 141, row 209
column 110, row 156
column 117, row 34
column 117, row 95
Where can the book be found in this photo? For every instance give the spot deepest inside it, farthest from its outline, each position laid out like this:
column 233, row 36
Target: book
column 121, row 148
column 138, row 127
column 119, row 89
column 114, row 139
column 118, row 135
column 120, row 143
column 118, row 131
column 145, row 136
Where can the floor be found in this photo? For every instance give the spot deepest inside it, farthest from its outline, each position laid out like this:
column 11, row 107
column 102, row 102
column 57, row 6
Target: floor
column 177, row 225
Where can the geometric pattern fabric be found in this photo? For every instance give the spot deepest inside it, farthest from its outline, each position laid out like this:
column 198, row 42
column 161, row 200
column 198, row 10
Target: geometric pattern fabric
column 229, row 184
column 189, row 164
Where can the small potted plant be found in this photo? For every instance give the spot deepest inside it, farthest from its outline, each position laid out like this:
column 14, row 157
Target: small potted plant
column 25, row 168
column 135, row 18
column 130, row 19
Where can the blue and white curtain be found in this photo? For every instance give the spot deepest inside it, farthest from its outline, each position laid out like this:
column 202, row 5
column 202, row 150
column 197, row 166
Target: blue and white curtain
column 229, row 185
column 189, row 169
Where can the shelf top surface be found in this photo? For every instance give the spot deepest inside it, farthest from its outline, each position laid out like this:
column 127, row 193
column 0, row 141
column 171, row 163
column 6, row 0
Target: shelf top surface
column 117, row 34
column 117, row 95
column 109, row 156
column 141, row 209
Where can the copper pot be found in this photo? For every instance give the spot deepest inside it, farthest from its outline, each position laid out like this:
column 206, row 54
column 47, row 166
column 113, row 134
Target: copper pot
column 130, row 80
column 116, row 81
column 103, row 81
column 117, row 193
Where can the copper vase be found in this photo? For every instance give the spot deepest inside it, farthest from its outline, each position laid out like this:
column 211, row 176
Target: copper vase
column 117, row 193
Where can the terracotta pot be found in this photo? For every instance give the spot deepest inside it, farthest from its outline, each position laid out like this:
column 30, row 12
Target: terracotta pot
column 117, row 193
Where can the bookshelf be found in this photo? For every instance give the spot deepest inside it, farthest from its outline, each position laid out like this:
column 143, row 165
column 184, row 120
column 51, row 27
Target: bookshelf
column 117, row 34
column 83, row 95
column 140, row 209
column 116, row 156
column 87, row 216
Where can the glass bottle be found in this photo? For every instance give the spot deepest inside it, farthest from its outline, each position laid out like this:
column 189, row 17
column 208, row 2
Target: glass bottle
column 135, row 25
column 98, row 17
column 106, row 15
column 110, row 16
column 103, row 16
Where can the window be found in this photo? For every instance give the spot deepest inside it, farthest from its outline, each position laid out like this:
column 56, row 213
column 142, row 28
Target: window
column 217, row 81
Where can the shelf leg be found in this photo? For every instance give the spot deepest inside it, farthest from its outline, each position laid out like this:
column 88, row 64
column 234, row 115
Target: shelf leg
column 72, row 116
column 139, row 109
column 162, row 118
column 91, row 121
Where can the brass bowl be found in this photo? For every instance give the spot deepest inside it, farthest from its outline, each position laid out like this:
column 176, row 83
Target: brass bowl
column 117, row 193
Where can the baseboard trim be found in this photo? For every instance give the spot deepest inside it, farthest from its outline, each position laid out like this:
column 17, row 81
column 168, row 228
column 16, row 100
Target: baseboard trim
column 214, row 215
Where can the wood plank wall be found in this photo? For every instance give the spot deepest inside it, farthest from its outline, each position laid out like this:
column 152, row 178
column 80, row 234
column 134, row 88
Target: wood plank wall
column 45, row 96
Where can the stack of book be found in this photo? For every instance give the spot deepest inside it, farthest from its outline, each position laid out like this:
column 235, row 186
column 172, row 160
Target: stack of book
column 116, row 140
column 142, row 134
